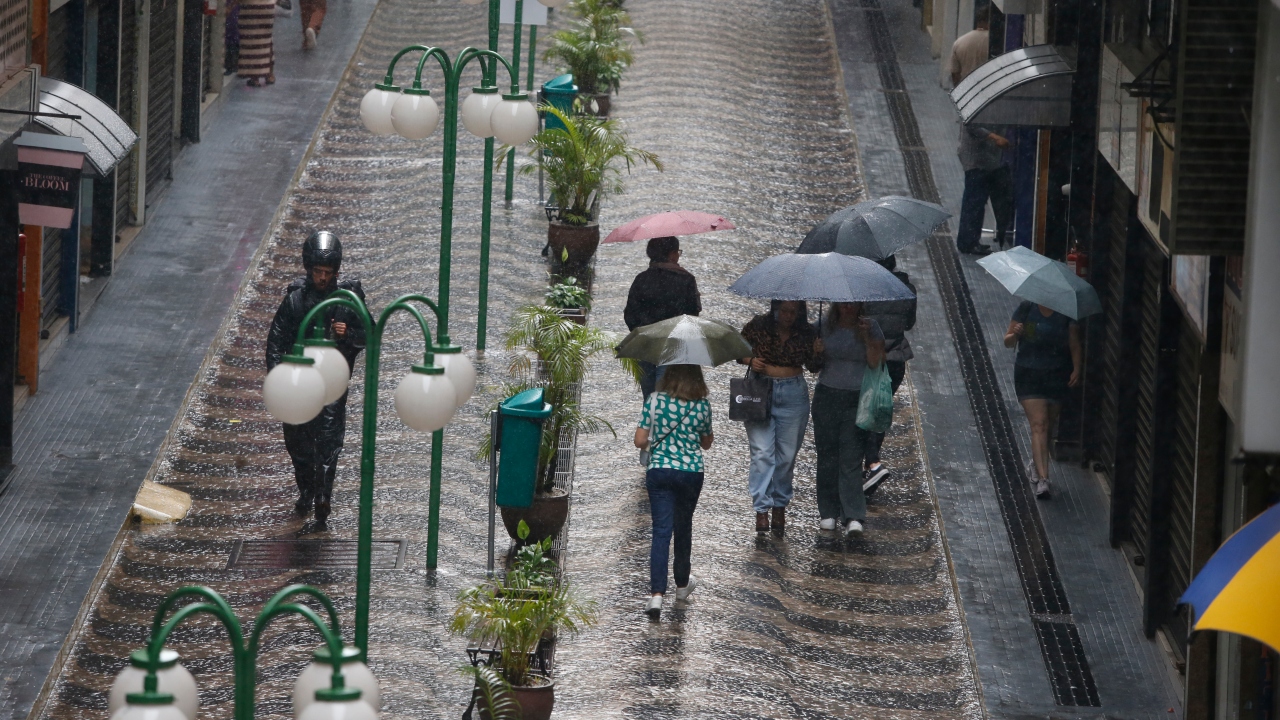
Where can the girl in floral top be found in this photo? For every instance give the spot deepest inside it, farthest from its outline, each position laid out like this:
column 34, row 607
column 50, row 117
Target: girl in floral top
column 783, row 344
column 675, row 427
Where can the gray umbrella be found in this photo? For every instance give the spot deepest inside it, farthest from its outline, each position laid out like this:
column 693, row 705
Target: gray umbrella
column 1032, row 276
column 875, row 229
column 685, row 340
column 832, row 277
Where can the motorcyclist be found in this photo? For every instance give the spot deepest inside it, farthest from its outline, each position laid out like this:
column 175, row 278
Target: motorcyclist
column 315, row 446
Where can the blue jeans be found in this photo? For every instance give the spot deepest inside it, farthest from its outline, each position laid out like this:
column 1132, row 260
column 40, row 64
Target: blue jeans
column 673, row 495
column 650, row 374
column 775, row 442
column 979, row 186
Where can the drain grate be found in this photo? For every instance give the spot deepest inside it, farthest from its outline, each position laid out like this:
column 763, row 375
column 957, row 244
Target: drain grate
column 1059, row 640
column 313, row 555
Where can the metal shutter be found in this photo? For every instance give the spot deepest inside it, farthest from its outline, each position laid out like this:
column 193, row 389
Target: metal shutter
column 50, row 276
column 56, row 42
column 1217, row 41
column 161, row 95
column 127, row 108
column 1146, row 381
column 1182, row 484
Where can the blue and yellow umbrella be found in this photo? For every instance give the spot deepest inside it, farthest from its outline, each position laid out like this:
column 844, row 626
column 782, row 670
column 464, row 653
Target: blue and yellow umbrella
column 1238, row 590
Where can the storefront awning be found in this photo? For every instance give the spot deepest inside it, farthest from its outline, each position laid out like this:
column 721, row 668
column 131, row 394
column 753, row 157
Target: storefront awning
column 105, row 133
column 1030, row 86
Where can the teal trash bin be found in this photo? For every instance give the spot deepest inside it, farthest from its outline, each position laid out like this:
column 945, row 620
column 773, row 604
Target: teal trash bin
column 560, row 93
column 520, row 437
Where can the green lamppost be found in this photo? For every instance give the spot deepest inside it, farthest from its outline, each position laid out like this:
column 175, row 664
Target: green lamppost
column 412, row 113
column 426, row 398
column 155, row 687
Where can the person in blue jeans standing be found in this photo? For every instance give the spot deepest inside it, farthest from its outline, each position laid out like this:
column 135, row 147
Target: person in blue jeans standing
column 675, row 427
column 783, row 344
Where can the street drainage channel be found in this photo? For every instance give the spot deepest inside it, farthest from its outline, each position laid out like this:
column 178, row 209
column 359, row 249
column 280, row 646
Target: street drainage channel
column 1060, row 645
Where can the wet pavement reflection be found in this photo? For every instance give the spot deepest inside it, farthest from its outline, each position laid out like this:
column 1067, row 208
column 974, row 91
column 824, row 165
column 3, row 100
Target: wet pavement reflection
column 747, row 113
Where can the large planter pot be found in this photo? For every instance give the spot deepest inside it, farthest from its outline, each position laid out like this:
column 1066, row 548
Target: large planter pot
column 580, row 240
column 535, row 701
column 578, row 315
column 597, row 104
column 545, row 516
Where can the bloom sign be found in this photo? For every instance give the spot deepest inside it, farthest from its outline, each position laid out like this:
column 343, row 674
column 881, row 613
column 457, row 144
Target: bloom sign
column 48, row 182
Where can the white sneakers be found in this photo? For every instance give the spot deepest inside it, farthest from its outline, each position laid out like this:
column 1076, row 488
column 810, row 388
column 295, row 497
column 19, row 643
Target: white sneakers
column 1039, row 485
column 853, row 529
column 682, row 593
column 828, row 524
column 308, row 39
column 654, row 607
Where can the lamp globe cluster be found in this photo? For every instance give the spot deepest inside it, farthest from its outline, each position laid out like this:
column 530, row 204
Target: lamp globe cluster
column 296, row 390
column 171, row 678
column 413, row 114
column 317, row 675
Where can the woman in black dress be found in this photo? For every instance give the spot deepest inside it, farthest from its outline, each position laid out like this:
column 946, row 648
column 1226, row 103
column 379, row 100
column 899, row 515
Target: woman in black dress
column 1047, row 366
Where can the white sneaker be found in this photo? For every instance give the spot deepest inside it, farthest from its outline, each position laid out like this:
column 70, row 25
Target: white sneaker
column 1042, row 487
column 654, row 607
column 828, row 524
column 308, row 39
column 683, row 593
column 853, row 529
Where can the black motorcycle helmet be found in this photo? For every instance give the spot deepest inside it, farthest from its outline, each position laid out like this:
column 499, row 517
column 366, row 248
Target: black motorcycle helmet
column 322, row 248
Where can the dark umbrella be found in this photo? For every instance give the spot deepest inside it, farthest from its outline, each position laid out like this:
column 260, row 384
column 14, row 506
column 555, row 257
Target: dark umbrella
column 832, row 277
column 875, row 229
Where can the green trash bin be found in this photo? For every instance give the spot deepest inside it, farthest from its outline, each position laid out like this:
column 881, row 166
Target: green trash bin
column 520, row 437
column 560, row 93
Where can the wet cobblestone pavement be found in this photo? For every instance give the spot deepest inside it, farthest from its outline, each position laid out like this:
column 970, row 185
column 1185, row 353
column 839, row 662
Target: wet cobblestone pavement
column 747, row 113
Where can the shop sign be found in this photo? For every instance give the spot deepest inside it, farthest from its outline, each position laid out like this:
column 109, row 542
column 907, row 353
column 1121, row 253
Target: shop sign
column 48, row 179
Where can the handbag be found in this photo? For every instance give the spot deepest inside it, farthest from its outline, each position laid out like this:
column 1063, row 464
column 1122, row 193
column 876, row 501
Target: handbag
column 750, row 398
column 646, row 453
column 875, row 400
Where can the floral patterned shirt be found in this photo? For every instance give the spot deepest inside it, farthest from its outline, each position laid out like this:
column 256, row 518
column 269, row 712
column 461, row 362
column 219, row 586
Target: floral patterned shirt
column 676, row 431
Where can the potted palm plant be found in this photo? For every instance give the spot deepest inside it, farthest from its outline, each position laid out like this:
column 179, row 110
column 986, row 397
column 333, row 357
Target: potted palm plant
column 514, row 616
column 552, row 352
column 581, row 161
column 595, row 49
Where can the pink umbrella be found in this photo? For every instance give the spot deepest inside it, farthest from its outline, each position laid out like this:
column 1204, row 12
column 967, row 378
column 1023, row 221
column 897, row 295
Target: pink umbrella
column 678, row 222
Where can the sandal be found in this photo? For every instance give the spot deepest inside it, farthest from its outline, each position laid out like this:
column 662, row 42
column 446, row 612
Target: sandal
column 271, row 79
column 253, row 82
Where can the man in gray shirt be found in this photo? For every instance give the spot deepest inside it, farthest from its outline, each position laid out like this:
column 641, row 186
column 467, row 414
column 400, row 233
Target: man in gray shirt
column 986, row 176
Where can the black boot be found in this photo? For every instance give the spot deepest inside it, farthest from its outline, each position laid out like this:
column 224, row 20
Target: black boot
column 303, row 505
column 322, row 510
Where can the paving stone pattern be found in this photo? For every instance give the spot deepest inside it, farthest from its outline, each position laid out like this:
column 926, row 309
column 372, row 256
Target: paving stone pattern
column 809, row 626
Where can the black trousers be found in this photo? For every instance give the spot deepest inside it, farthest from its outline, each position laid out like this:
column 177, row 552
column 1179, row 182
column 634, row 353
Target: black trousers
column 979, row 186
column 897, row 371
column 314, row 448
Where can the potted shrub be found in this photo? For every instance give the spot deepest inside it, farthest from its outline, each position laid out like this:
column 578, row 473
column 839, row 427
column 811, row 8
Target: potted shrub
column 514, row 616
column 581, row 162
column 561, row 349
column 570, row 299
column 595, row 49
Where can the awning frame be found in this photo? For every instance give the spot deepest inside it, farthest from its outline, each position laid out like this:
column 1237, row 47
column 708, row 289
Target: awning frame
column 108, row 137
column 1029, row 87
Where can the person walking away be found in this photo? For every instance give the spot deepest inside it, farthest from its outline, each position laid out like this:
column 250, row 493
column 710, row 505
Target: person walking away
column 1047, row 365
column 850, row 344
column 675, row 427
column 665, row 290
column 312, row 15
column 783, row 344
column 895, row 318
column 257, row 51
column 314, row 446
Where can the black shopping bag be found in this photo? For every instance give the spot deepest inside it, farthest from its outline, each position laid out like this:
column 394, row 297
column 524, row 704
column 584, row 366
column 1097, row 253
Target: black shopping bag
column 750, row 398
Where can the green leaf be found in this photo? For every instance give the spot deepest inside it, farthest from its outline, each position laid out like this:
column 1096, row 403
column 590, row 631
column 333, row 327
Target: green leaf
column 522, row 530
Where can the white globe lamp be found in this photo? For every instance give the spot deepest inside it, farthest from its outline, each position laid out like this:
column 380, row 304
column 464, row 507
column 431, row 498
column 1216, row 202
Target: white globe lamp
column 171, row 678
column 319, row 673
column 346, row 709
column 553, row 3
column 415, row 114
column 478, row 108
column 460, row 372
column 425, row 399
column 375, row 109
column 332, row 366
column 149, row 711
column 294, row 390
column 515, row 119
